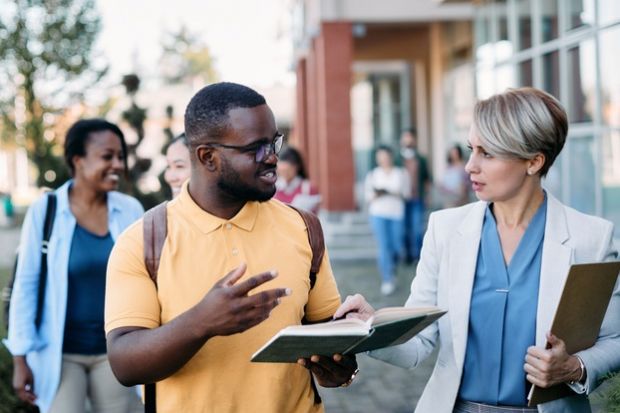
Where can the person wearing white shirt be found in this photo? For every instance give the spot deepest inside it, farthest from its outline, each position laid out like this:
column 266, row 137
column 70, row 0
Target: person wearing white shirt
column 386, row 188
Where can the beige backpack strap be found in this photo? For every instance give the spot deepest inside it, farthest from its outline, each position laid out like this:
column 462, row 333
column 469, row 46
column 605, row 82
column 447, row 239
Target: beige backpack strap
column 316, row 240
column 155, row 224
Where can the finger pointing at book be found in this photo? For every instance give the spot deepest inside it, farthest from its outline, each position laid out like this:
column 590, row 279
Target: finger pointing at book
column 355, row 306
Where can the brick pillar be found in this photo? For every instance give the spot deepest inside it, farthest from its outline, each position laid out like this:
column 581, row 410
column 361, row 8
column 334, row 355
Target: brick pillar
column 301, row 108
column 330, row 142
column 312, row 155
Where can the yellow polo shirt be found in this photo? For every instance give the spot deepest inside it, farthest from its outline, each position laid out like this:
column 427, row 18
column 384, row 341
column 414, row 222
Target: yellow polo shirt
column 199, row 250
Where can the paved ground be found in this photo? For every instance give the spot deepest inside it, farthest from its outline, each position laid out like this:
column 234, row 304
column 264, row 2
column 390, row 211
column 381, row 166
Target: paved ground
column 379, row 387
column 9, row 239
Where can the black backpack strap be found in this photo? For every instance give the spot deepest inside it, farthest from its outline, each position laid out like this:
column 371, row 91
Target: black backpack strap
column 150, row 405
column 155, row 230
column 48, row 225
column 316, row 240
column 317, row 244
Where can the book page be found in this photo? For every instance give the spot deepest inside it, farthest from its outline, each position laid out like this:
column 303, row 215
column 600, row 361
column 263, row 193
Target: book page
column 389, row 314
column 347, row 326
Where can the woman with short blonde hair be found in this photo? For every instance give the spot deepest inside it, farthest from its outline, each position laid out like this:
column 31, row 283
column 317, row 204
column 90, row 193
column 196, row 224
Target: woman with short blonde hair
column 498, row 266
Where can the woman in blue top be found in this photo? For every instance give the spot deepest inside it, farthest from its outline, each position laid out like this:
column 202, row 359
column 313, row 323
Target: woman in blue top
column 498, row 266
column 63, row 361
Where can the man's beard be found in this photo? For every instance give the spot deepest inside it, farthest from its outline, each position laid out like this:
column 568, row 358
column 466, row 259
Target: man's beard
column 230, row 183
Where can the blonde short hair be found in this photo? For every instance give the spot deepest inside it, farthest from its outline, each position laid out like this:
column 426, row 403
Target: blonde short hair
column 521, row 123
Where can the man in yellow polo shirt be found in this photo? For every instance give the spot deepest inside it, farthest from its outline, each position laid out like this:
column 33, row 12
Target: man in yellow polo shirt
column 234, row 270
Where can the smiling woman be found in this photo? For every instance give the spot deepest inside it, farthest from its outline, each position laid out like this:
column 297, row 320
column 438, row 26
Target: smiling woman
column 54, row 360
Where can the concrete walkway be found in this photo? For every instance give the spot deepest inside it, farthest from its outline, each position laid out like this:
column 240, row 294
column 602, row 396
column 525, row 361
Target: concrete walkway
column 9, row 240
column 379, row 387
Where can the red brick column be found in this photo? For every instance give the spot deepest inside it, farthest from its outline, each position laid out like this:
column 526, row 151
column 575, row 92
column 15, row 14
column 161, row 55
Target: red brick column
column 301, row 108
column 330, row 141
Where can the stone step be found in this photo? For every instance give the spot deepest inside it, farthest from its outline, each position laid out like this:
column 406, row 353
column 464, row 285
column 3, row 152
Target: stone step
column 352, row 254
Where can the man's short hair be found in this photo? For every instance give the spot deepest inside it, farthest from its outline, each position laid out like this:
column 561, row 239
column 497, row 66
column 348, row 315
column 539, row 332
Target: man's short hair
column 206, row 115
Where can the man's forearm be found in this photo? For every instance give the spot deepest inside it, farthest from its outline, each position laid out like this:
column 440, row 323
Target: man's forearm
column 139, row 355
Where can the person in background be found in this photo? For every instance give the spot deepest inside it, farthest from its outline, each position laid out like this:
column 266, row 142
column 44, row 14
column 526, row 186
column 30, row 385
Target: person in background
column 386, row 188
column 415, row 205
column 177, row 164
column 293, row 186
column 498, row 266
column 233, row 271
column 454, row 186
column 64, row 362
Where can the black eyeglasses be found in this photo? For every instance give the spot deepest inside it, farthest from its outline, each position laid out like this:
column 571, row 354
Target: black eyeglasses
column 261, row 150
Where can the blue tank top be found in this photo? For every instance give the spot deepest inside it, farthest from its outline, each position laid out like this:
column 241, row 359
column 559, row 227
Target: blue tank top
column 88, row 259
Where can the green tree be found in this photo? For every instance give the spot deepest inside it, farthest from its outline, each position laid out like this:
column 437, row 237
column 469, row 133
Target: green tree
column 46, row 61
column 186, row 58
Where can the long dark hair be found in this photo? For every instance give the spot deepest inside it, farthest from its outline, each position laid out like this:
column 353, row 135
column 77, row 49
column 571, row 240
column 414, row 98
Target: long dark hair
column 292, row 155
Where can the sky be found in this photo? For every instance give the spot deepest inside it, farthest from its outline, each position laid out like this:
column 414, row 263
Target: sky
column 249, row 39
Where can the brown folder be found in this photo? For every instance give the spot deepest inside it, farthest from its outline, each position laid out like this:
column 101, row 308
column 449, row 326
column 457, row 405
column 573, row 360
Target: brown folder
column 579, row 316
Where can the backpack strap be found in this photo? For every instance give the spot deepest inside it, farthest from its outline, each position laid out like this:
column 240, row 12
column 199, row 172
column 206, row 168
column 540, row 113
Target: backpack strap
column 48, row 225
column 317, row 242
column 155, row 230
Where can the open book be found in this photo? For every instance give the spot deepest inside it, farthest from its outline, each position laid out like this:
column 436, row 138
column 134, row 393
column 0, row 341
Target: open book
column 579, row 316
column 388, row 327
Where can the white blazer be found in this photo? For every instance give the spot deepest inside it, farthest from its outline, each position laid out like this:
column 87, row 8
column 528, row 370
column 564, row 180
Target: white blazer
column 445, row 277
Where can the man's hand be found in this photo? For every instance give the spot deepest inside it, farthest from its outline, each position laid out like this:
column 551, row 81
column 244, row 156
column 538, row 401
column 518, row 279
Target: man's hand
column 23, row 381
column 355, row 306
column 549, row 367
column 142, row 355
column 228, row 309
column 331, row 372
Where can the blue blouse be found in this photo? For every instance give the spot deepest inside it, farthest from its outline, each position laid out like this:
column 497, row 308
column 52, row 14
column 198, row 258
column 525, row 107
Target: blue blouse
column 88, row 260
column 502, row 319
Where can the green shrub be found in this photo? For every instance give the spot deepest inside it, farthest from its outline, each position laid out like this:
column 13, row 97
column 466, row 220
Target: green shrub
column 9, row 403
column 609, row 397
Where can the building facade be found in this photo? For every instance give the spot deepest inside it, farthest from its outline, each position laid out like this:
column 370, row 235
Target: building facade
column 571, row 49
column 365, row 71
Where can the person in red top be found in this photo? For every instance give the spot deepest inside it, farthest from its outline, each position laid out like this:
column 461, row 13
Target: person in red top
column 293, row 186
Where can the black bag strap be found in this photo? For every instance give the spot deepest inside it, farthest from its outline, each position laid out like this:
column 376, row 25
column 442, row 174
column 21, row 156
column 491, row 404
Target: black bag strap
column 155, row 230
column 316, row 240
column 150, row 405
column 48, row 225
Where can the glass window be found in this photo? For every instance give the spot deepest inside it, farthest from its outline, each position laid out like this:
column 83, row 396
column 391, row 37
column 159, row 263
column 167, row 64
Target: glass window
column 506, row 77
column 610, row 81
column 611, row 176
column 483, row 30
column 551, row 73
column 552, row 182
column 502, row 19
column 525, row 73
column 608, row 11
column 581, row 173
column 524, row 24
column 485, row 81
column 581, row 70
column 579, row 13
column 549, row 14
column 504, row 47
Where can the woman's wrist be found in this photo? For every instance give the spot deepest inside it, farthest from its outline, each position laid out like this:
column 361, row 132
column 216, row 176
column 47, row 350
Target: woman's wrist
column 578, row 371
